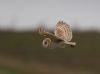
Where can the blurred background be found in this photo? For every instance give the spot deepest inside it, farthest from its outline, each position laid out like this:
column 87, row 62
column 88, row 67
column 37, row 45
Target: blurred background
column 21, row 50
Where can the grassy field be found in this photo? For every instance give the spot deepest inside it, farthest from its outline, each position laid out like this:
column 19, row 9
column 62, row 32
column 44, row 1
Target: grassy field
column 22, row 53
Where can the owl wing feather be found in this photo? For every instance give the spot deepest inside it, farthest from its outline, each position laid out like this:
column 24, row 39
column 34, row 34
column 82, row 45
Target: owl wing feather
column 48, row 34
column 63, row 31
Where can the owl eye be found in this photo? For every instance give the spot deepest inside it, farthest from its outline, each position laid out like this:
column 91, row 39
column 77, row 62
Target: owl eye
column 46, row 42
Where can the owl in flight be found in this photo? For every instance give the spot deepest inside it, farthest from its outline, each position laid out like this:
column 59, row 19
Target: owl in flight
column 61, row 37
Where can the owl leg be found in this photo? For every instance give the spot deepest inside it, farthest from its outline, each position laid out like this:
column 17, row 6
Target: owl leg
column 62, row 45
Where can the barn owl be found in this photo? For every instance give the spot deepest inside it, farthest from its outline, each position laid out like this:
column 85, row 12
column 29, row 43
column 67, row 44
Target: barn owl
column 61, row 37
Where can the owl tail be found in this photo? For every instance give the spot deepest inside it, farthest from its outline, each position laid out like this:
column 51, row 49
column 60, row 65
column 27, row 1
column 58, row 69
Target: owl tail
column 70, row 43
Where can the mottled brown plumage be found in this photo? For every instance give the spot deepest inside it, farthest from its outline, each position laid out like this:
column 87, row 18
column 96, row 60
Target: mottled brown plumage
column 62, row 36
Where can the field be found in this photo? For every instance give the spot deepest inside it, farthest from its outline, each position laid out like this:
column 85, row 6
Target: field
column 22, row 53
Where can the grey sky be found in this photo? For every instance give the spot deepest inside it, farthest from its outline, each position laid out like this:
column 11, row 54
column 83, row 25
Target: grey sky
column 84, row 14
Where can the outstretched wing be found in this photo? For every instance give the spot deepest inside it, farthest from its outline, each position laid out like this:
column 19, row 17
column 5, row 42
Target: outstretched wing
column 48, row 34
column 63, row 31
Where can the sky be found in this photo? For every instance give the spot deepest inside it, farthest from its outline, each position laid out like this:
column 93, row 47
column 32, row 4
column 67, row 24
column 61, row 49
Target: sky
column 27, row 14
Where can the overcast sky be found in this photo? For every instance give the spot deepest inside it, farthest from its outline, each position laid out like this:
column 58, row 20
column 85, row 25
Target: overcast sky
column 25, row 14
